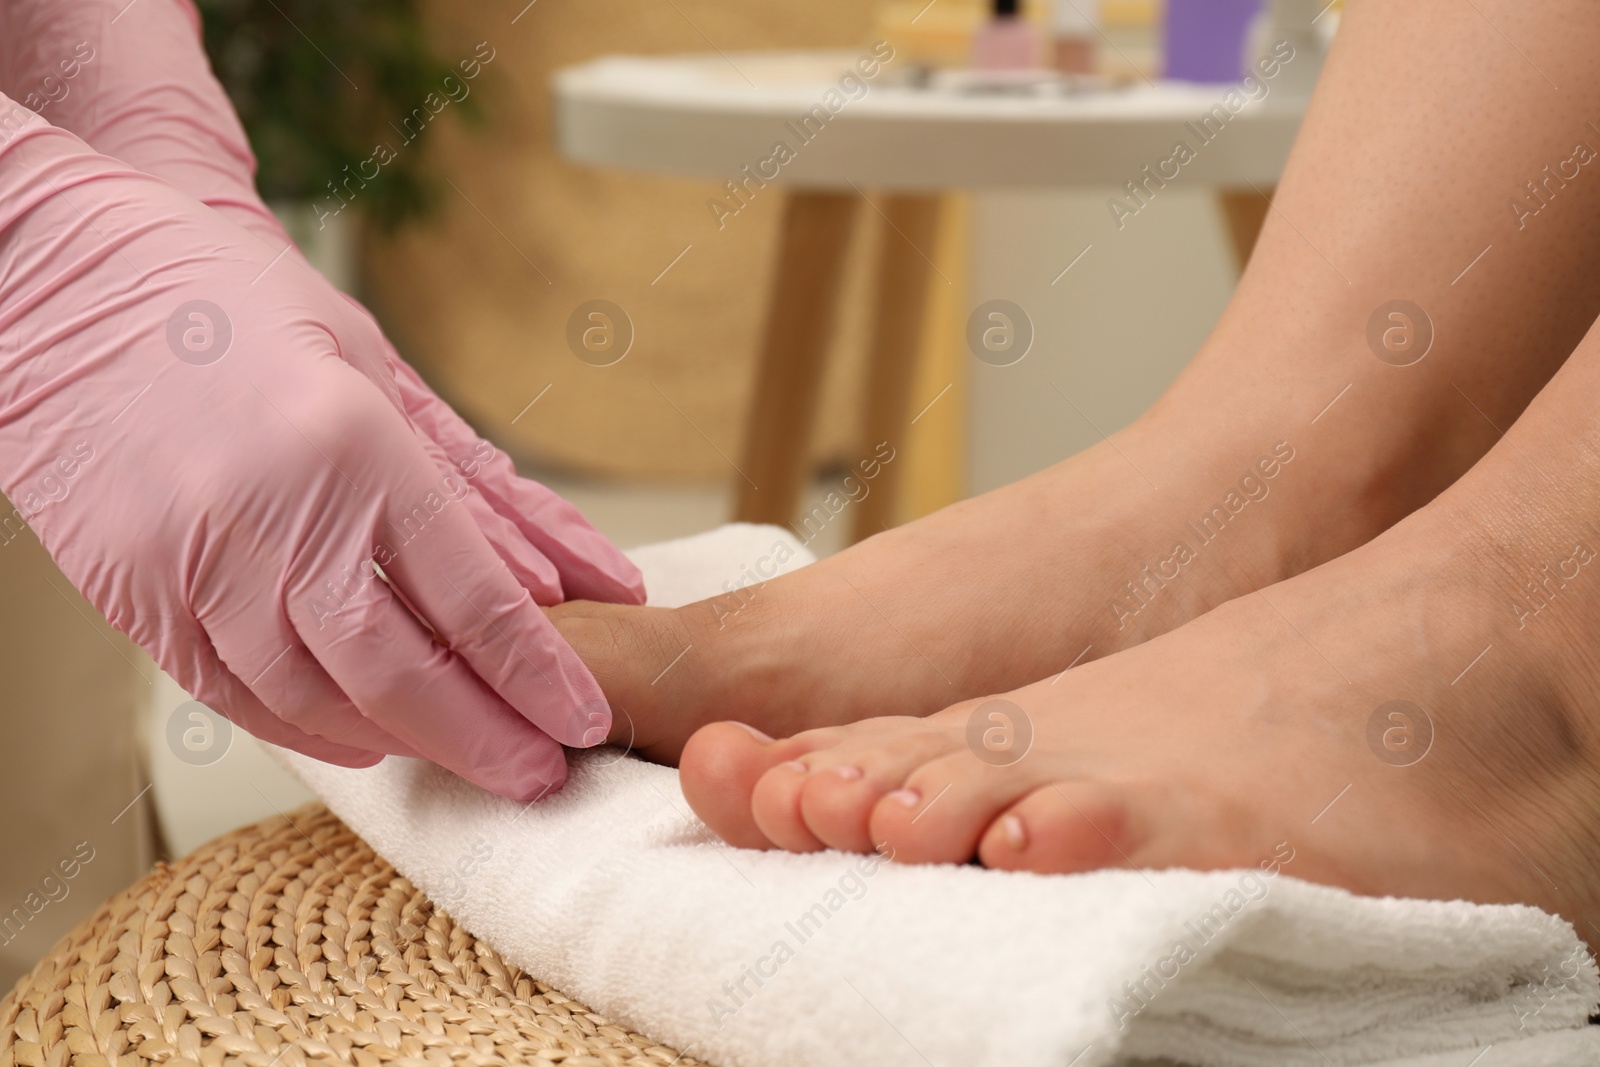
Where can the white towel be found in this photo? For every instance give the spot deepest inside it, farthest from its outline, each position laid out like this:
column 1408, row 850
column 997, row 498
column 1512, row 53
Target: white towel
column 613, row 892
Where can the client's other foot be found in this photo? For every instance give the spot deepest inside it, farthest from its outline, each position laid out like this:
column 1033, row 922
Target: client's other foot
column 1419, row 717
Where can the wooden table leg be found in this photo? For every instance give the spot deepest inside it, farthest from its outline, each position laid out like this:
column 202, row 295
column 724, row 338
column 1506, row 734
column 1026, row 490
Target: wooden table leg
column 814, row 238
column 1245, row 211
column 904, row 273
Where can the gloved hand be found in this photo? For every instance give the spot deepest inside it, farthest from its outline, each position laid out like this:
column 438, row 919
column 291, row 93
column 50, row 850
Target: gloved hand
column 133, row 82
column 213, row 446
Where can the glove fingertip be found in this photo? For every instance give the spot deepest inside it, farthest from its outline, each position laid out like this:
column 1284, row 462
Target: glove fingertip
column 589, row 725
column 613, row 580
column 333, row 753
column 628, row 583
column 538, row 772
column 632, row 582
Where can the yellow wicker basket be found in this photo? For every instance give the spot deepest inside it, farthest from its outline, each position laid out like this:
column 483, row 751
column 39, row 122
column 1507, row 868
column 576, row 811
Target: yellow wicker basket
column 285, row 943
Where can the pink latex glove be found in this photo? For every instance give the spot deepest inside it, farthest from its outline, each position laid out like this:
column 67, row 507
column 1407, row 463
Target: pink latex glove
column 133, row 81
column 208, row 523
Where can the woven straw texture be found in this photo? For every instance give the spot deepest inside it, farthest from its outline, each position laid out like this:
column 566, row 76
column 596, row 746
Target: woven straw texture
column 286, row 943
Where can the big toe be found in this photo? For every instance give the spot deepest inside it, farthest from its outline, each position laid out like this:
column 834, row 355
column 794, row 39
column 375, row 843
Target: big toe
column 720, row 767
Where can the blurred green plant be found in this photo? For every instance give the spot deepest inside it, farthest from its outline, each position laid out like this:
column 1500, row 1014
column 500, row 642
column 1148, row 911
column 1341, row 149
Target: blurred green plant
column 320, row 83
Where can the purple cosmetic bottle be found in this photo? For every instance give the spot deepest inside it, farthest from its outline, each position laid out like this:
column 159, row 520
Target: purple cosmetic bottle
column 1206, row 39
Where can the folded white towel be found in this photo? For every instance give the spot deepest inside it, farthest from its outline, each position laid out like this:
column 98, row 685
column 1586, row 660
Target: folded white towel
column 612, row 891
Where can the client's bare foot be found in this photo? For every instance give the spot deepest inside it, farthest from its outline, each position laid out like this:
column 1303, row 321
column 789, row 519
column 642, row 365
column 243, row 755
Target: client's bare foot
column 1110, row 548
column 925, row 615
column 1419, row 717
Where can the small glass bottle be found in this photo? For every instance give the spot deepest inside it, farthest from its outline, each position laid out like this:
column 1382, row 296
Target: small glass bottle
column 1073, row 50
column 1005, row 42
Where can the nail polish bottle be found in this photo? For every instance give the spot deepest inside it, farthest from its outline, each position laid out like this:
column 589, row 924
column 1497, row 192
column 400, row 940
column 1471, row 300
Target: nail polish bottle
column 1073, row 49
column 1005, row 42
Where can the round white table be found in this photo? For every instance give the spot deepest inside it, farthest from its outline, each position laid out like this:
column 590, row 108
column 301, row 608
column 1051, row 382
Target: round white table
column 721, row 116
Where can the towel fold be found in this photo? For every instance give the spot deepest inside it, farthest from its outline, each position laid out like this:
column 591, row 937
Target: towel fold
column 615, row 893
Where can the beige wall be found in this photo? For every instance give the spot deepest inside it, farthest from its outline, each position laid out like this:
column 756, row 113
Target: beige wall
column 488, row 330
column 68, row 769
column 1111, row 335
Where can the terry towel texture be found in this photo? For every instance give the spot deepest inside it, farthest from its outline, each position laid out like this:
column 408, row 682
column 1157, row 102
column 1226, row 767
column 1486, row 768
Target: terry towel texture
column 613, row 892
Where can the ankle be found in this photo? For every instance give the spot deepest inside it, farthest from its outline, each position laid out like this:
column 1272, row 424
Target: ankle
column 1319, row 489
column 1265, row 504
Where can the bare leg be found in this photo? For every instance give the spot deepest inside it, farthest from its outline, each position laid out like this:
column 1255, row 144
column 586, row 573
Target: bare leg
column 1426, row 124
column 1420, row 717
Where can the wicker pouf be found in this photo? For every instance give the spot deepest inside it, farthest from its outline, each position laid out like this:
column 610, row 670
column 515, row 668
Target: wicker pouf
column 285, row 943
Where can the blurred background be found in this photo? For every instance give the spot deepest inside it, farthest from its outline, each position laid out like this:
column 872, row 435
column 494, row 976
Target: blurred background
column 476, row 245
column 411, row 147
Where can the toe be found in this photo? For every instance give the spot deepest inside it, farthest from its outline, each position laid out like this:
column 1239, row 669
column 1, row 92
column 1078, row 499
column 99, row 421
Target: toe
column 943, row 809
column 848, row 781
column 820, row 791
column 1062, row 828
column 836, row 802
column 775, row 807
column 812, row 758
column 721, row 765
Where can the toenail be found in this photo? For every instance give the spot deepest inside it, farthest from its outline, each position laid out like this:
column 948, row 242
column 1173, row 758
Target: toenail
column 907, row 797
column 1016, row 834
column 757, row 734
column 795, row 765
column 847, row 772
